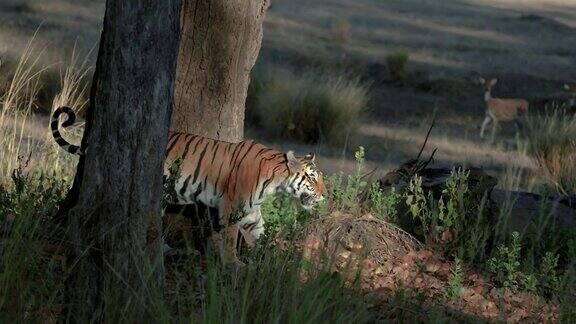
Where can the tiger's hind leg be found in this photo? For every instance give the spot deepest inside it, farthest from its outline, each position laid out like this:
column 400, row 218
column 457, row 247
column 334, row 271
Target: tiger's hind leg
column 231, row 239
column 227, row 244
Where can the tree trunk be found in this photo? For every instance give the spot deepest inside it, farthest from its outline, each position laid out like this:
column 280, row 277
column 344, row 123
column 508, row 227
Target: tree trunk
column 113, row 209
column 219, row 45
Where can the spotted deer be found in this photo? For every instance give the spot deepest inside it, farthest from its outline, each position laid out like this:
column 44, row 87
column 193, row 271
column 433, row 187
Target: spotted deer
column 571, row 89
column 500, row 110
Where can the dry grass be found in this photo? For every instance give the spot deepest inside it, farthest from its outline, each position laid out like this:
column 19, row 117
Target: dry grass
column 15, row 108
column 551, row 141
column 22, row 136
column 311, row 108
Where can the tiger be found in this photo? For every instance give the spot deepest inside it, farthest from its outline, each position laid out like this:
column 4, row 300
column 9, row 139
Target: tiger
column 233, row 178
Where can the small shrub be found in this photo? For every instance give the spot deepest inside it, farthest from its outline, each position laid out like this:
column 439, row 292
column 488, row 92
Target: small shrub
column 455, row 279
column 530, row 283
column 506, row 263
column 549, row 279
column 340, row 31
column 417, row 203
column 455, row 196
column 453, row 219
column 396, row 64
column 310, row 107
column 282, row 215
column 346, row 195
column 384, row 206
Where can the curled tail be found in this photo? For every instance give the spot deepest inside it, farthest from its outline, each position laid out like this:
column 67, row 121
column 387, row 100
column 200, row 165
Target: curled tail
column 71, row 117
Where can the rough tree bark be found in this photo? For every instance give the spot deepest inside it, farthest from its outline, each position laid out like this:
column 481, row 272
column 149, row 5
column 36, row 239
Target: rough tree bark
column 220, row 40
column 113, row 209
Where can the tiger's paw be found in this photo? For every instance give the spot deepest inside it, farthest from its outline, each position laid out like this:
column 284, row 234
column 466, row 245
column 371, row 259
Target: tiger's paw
column 235, row 264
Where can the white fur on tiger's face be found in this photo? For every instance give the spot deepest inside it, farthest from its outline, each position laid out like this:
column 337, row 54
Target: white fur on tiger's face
column 306, row 183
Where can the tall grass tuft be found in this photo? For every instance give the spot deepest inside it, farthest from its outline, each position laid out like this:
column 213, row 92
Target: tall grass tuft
column 310, row 107
column 31, row 267
column 16, row 105
column 272, row 289
column 551, row 141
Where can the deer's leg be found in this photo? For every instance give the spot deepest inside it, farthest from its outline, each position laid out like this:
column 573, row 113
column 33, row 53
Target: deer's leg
column 487, row 121
column 494, row 128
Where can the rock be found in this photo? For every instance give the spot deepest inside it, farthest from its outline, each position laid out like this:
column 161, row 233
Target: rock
column 529, row 209
column 526, row 209
column 434, row 180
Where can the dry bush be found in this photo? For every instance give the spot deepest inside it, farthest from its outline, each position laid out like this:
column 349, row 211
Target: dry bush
column 551, row 141
column 310, row 108
column 396, row 64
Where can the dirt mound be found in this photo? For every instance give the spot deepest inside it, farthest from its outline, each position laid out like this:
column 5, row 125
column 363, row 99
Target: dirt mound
column 389, row 261
column 366, row 236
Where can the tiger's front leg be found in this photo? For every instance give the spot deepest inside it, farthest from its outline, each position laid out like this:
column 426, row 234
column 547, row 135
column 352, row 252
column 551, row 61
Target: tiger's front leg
column 252, row 227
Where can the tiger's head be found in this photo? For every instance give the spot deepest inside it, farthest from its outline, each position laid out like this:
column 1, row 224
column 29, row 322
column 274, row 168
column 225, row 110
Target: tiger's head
column 306, row 182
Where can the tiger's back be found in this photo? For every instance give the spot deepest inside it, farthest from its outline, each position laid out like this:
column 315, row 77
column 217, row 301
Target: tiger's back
column 222, row 174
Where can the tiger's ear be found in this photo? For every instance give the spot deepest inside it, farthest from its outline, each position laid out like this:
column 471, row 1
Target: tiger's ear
column 310, row 157
column 493, row 81
column 481, row 80
column 294, row 164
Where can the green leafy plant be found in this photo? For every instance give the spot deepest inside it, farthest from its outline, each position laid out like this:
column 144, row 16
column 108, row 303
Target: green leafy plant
column 506, row 263
column 346, row 195
column 454, row 289
column 455, row 195
column 281, row 214
column 417, row 203
column 384, row 206
column 550, row 281
column 530, row 283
